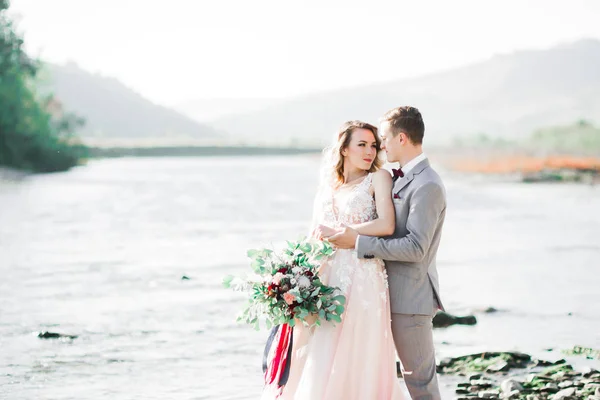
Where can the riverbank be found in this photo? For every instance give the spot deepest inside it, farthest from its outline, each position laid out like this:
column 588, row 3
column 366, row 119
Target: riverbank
column 526, row 167
column 11, row 174
column 520, row 376
column 192, row 151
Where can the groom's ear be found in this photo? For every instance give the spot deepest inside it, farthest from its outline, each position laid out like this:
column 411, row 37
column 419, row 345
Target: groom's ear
column 402, row 137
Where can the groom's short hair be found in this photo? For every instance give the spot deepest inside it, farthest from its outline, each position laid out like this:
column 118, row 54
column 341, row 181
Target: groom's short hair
column 406, row 119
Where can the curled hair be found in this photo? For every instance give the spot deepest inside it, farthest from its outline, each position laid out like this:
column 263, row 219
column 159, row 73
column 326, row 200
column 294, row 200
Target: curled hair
column 333, row 166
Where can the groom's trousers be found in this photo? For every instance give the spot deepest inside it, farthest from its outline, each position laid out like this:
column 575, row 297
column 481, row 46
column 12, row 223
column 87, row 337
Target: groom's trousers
column 413, row 337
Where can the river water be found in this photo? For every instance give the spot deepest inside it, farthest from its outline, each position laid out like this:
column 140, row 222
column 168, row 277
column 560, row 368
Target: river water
column 100, row 252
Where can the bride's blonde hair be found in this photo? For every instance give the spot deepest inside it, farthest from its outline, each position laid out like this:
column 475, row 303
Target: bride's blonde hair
column 333, row 166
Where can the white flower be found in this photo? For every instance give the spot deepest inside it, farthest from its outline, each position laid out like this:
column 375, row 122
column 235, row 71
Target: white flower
column 296, row 270
column 293, row 281
column 277, row 278
column 303, row 282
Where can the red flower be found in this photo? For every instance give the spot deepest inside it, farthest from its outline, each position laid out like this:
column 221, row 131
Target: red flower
column 282, row 270
column 292, row 306
column 308, row 273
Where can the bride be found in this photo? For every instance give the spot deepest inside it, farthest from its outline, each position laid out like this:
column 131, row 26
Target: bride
column 354, row 359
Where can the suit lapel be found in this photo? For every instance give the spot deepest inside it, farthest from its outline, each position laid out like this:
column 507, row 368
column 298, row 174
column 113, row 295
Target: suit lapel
column 402, row 182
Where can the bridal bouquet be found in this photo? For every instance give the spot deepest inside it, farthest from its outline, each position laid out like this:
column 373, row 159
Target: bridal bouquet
column 285, row 286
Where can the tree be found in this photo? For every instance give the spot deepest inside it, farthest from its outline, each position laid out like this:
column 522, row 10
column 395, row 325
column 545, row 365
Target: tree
column 31, row 137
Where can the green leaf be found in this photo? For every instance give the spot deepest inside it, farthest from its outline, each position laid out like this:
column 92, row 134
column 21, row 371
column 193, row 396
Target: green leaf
column 259, row 262
column 227, row 281
column 340, row 299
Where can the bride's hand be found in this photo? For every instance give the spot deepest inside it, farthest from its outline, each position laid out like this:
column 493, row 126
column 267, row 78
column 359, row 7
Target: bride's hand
column 310, row 319
column 324, row 232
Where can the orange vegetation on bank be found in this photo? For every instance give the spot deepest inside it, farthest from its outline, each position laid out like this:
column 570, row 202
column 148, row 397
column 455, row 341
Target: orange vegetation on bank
column 525, row 164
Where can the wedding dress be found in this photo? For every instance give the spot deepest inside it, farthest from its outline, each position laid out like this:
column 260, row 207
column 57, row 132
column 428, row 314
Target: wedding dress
column 354, row 360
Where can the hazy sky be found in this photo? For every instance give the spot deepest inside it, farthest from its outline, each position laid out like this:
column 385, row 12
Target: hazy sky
column 173, row 51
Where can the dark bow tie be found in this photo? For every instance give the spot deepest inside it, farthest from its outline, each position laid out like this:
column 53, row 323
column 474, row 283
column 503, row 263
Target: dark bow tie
column 397, row 173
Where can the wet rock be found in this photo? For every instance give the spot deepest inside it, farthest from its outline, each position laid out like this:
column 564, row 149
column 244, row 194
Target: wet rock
column 591, row 387
column 443, row 320
column 483, row 384
column 511, row 385
column 550, row 387
column 589, row 381
column 566, row 384
column 515, row 394
column 543, row 363
column 558, row 381
column 500, row 366
column 565, row 394
column 490, row 394
column 54, row 335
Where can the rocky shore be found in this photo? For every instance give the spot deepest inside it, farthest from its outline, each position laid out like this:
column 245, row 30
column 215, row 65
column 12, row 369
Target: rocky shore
column 516, row 376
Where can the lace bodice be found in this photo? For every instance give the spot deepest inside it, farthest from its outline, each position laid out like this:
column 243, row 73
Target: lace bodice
column 344, row 269
column 357, row 207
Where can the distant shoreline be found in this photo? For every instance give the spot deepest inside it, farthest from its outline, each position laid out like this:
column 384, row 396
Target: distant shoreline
column 193, row 151
column 11, row 174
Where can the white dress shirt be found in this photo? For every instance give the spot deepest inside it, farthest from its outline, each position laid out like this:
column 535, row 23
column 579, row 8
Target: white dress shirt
column 413, row 163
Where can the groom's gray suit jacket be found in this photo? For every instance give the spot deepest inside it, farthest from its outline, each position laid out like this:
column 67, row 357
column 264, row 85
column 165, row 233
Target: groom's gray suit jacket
column 410, row 253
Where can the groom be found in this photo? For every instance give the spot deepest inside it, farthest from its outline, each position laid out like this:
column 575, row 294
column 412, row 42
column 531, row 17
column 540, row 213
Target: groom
column 410, row 253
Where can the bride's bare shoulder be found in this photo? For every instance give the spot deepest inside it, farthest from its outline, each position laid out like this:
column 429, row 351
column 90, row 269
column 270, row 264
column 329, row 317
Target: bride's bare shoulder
column 382, row 175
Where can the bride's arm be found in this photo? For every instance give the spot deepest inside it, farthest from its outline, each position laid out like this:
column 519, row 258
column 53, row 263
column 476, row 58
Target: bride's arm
column 385, row 222
column 316, row 214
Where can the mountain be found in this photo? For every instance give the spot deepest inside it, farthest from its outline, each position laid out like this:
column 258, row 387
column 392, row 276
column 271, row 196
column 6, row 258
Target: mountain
column 506, row 96
column 114, row 111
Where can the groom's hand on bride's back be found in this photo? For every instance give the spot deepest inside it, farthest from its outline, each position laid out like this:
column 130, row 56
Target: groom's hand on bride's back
column 345, row 239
